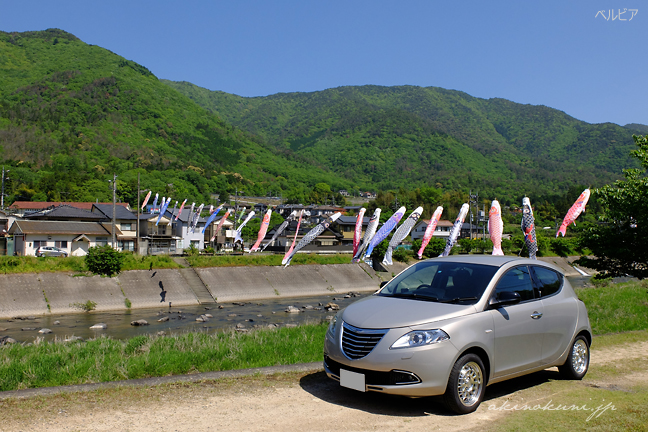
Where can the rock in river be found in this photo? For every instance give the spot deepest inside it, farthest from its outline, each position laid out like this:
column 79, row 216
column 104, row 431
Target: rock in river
column 99, row 326
column 139, row 323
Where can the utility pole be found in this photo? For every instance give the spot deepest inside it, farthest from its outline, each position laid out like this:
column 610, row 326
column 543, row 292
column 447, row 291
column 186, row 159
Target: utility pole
column 474, row 200
column 3, row 186
column 114, row 210
column 137, row 233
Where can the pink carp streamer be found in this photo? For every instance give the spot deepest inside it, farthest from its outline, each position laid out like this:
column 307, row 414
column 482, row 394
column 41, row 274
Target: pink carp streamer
column 148, row 195
column 574, row 212
column 181, row 208
column 263, row 229
column 358, row 230
column 220, row 224
column 496, row 227
column 285, row 258
column 429, row 231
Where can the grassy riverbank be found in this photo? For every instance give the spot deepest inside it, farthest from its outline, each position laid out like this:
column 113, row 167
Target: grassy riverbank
column 105, row 359
column 614, row 308
column 32, row 264
column 265, row 260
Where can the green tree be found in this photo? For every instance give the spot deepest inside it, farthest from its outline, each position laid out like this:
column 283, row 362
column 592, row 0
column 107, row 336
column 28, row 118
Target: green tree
column 618, row 243
column 104, row 260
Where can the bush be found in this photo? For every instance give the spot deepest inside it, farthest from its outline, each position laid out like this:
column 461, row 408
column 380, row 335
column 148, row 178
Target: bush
column 561, row 246
column 104, row 260
column 87, row 306
column 192, row 250
column 466, row 244
column 401, row 255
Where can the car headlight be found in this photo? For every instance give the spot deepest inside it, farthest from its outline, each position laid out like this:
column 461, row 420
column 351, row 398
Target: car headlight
column 420, row 338
column 330, row 333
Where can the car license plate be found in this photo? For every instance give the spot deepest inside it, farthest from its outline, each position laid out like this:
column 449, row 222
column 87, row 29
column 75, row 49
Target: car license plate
column 352, row 380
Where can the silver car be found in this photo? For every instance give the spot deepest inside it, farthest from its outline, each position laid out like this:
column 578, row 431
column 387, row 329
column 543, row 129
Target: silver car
column 451, row 326
column 50, row 251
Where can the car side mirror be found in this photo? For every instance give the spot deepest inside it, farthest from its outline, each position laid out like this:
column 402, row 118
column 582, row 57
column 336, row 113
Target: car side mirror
column 505, row 298
column 383, row 283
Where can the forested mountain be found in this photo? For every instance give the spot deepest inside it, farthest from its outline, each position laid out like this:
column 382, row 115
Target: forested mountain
column 72, row 114
column 406, row 136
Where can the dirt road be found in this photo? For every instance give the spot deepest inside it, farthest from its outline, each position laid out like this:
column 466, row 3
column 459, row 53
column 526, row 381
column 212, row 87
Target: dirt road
column 295, row 401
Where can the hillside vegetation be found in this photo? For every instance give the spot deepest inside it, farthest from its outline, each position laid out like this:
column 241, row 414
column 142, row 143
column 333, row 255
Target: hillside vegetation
column 406, row 136
column 72, row 114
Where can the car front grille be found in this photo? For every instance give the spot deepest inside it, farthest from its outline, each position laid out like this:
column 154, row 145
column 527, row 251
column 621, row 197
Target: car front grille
column 358, row 343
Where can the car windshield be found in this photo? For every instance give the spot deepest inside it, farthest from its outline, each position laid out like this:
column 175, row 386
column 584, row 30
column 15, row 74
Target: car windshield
column 441, row 281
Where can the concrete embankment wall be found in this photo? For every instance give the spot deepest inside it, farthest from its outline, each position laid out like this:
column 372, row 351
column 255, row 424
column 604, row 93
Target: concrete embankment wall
column 56, row 293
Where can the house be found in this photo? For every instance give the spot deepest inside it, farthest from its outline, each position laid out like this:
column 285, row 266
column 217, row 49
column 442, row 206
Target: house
column 125, row 220
column 65, row 212
column 346, row 226
column 157, row 238
column 75, row 237
column 220, row 237
column 6, row 241
column 442, row 229
column 181, row 229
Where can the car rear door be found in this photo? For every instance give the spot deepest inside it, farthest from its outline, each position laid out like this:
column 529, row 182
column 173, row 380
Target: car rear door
column 560, row 313
column 519, row 328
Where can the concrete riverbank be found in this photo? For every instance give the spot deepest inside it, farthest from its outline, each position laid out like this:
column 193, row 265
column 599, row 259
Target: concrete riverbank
column 57, row 293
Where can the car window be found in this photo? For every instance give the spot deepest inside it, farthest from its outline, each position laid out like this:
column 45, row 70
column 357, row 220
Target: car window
column 516, row 280
column 442, row 281
column 549, row 282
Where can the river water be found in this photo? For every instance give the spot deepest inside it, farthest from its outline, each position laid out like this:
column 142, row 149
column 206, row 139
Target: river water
column 247, row 315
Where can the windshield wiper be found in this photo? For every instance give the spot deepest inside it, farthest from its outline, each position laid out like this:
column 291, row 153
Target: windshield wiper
column 458, row 299
column 415, row 296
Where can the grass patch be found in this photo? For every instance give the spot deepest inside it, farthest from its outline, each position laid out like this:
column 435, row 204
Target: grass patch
column 583, row 408
column 608, row 340
column 617, row 307
column 31, row 264
column 105, row 359
column 265, row 260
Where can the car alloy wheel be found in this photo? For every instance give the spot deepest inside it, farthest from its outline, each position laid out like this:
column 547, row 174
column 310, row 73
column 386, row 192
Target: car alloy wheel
column 466, row 385
column 577, row 362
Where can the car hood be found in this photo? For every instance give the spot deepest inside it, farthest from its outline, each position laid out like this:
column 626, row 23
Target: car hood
column 389, row 312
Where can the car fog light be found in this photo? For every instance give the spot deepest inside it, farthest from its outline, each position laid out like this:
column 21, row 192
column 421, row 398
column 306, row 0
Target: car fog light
column 419, row 338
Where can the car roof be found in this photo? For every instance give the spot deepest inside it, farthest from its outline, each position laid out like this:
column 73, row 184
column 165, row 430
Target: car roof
column 495, row 260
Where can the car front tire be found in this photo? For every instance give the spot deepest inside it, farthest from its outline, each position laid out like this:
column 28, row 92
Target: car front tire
column 466, row 385
column 578, row 360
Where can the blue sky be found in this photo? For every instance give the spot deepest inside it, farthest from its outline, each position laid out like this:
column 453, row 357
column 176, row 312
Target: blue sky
column 554, row 53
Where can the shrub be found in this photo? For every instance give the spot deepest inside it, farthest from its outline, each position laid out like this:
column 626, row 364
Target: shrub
column 192, row 250
column 401, row 255
column 87, row 306
column 104, row 260
column 466, row 244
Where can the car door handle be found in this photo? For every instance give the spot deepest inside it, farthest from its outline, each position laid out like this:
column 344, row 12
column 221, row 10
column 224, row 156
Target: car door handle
column 536, row 315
